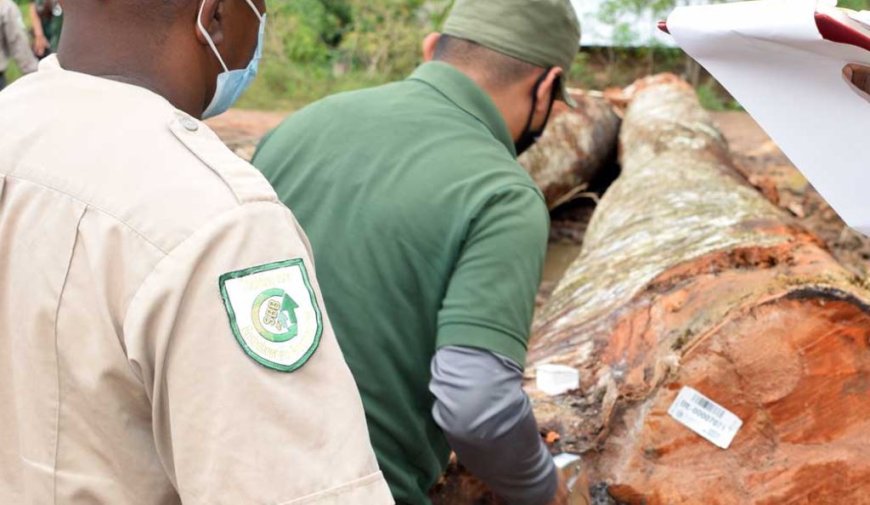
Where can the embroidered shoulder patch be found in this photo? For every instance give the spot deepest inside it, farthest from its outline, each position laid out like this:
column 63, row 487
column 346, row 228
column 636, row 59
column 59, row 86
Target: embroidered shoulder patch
column 274, row 313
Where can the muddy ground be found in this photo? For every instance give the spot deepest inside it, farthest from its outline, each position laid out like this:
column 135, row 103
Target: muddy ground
column 755, row 155
column 768, row 169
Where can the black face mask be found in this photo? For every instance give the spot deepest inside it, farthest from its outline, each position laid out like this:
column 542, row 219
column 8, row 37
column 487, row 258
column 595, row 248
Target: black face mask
column 529, row 137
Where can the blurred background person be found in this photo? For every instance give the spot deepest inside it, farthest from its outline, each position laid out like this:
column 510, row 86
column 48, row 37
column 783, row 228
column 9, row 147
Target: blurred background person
column 46, row 17
column 13, row 41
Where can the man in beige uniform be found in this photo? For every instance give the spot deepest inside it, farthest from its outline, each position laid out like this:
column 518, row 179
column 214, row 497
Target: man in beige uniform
column 162, row 333
column 13, row 41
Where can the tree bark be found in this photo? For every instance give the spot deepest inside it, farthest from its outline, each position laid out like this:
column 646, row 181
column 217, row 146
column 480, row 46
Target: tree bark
column 575, row 147
column 690, row 277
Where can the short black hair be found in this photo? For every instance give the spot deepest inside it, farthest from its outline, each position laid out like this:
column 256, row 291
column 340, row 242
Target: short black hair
column 499, row 69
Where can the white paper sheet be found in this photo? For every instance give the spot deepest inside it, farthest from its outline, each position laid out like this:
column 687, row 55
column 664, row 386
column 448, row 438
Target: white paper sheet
column 771, row 58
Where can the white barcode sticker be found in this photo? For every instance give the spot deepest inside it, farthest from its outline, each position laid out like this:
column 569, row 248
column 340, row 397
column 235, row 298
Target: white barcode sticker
column 705, row 417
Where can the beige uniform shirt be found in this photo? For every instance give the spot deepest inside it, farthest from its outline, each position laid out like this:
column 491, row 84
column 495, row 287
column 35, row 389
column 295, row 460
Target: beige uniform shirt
column 13, row 39
column 154, row 296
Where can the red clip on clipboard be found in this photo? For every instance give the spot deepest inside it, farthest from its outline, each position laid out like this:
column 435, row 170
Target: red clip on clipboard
column 833, row 27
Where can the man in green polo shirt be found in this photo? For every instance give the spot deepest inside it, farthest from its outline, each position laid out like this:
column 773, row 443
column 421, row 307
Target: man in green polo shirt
column 430, row 239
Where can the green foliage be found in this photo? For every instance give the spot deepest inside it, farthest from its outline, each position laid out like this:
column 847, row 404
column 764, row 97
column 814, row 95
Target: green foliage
column 712, row 99
column 12, row 72
column 385, row 38
column 309, row 29
column 302, row 25
column 318, row 47
column 855, row 4
column 611, row 10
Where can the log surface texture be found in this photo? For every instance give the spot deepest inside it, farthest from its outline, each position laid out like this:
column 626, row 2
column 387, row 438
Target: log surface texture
column 690, row 277
column 575, row 147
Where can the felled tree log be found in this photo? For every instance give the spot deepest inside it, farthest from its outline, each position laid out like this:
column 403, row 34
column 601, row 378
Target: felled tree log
column 690, row 277
column 575, row 147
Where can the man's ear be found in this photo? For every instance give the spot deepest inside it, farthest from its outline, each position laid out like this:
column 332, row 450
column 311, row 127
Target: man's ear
column 546, row 90
column 429, row 45
column 212, row 15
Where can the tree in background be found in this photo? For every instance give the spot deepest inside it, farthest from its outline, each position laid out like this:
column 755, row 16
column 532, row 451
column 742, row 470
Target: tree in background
column 613, row 11
column 648, row 56
column 386, row 35
column 318, row 47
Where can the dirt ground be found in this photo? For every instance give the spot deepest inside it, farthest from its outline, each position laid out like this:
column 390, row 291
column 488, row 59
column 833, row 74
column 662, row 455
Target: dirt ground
column 767, row 168
column 756, row 156
column 242, row 130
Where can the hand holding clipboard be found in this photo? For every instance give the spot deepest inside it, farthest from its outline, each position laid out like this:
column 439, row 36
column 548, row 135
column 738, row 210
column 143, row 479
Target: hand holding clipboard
column 836, row 25
column 801, row 68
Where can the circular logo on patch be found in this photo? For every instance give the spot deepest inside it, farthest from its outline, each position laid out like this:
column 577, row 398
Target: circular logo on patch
column 274, row 315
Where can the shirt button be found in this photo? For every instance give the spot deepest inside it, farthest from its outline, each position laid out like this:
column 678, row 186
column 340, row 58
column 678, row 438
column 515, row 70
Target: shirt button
column 189, row 124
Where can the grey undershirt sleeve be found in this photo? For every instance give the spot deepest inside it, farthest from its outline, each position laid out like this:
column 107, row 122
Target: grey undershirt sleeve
column 488, row 420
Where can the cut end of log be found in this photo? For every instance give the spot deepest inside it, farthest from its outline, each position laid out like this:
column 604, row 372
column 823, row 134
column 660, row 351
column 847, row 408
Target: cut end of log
column 622, row 97
column 690, row 277
column 796, row 370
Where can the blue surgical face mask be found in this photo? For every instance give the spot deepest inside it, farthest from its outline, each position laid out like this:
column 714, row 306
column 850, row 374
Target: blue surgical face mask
column 232, row 83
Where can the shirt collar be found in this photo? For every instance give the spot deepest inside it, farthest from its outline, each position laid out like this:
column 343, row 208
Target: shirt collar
column 49, row 63
column 50, row 66
column 468, row 96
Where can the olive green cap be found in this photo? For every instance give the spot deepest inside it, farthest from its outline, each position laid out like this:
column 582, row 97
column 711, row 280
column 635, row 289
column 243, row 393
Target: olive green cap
column 545, row 33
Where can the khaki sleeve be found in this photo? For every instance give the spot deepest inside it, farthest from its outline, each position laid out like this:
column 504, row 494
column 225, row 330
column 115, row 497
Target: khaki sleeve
column 252, row 400
column 16, row 39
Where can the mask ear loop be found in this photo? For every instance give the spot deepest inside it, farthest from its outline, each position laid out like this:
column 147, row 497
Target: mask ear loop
column 538, row 85
column 256, row 11
column 208, row 37
column 262, row 18
column 557, row 85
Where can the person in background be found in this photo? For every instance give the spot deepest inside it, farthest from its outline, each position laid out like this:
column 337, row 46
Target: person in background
column 13, row 41
column 163, row 339
column 46, row 17
column 430, row 239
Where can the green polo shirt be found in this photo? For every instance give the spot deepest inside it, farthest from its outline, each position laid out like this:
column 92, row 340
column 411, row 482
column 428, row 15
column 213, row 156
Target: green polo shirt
column 426, row 233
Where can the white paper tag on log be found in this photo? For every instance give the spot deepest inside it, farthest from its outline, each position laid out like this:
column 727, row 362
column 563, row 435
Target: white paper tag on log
column 705, row 417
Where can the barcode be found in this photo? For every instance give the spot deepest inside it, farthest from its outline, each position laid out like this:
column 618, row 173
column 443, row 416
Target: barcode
column 705, row 417
column 707, row 405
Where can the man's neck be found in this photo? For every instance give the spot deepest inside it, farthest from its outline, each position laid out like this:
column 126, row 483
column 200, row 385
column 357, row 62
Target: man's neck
column 118, row 60
column 504, row 101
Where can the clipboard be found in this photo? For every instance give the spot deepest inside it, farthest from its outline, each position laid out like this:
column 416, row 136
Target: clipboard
column 834, row 25
column 803, row 47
